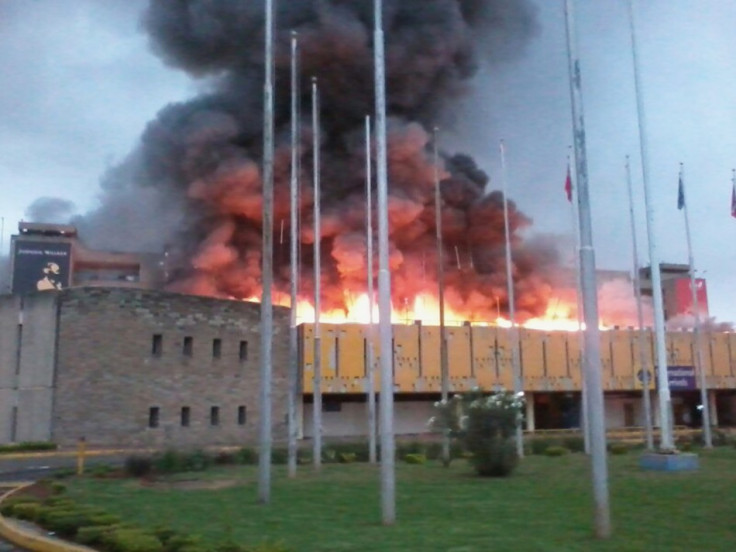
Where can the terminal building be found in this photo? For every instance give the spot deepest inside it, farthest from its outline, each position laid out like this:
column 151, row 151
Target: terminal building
column 102, row 353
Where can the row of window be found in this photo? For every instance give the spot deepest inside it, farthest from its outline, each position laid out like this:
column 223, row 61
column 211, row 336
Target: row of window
column 185, row 415
column 187, row 348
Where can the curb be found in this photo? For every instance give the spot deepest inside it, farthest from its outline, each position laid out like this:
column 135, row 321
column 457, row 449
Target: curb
column 30, row 541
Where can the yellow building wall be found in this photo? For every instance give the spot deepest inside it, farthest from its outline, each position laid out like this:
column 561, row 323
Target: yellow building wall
column 481, row 356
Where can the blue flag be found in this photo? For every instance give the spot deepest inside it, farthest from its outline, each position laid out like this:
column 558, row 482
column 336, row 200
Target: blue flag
column 680, row 195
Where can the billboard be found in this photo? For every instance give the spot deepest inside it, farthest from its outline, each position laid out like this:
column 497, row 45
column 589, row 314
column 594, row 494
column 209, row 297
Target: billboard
column 683, row 297
column 41, row 266
column 681, row 378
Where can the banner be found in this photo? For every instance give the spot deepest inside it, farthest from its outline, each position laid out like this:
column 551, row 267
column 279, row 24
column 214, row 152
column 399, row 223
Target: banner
column 681, row 378
column 41, row 266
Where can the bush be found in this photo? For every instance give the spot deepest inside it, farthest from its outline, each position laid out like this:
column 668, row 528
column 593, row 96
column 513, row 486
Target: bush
column 94, row 534
column 485, row 425
column 64, row 522
column 359, row 449
column 246, row 456
column 138, row 466
column 28, row 446
column 540, row 445
column 268, row 547
column 556, row 450
column 100, row 470
column 57, row 488
column 197, row 461
column 574, row 443
column 415, row 459
column 224, row 458
column 180, row 543
column 26, row 510
column 132, row 540
column 63, row 473
column 410, row 447
column 279, row 456
column 169, row 462
column 6, row 508
column 618, row 448
column 346, row 457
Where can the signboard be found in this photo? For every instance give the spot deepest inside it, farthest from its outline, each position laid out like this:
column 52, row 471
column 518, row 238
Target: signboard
column 40, row 266
column 681, row 378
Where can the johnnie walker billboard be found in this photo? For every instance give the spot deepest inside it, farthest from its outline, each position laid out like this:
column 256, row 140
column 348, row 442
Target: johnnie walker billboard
column 40, row 266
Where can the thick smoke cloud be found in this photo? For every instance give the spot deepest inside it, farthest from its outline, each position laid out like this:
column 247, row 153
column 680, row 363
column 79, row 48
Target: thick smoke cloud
column 201, row 159
column 50, row 210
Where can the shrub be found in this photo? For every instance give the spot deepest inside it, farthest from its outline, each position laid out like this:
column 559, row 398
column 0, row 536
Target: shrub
column 180, row 543
column 57, row 488
column 268, row 547
column 26, row 510
column 540, row 445
column 94, row 534
column 100, row 470
column 132, row 540
column 485, row 425
column 279, row 456
column 63, row 473
column 415, row 459
column 556, row 450
column 102, row 519
column 719, row 438
column 618, row 448
column 168, row 462
column 574, row 443
column 359, row 449
column 28, row 446
column 223, row 458
column 346, row 457
column 246, row 456
column 409, row 447
column 138, row 466
column 196, row 461
column 6, row 508
column 64, row 522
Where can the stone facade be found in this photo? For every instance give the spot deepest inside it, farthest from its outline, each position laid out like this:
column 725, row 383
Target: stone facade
column 126, row 367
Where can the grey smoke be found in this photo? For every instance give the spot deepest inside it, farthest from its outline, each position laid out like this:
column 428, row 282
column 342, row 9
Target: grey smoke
column 50, row 210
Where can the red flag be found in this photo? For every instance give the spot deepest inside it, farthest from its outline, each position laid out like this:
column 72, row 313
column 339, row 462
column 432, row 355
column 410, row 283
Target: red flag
column 568, row 186
column 733, row 201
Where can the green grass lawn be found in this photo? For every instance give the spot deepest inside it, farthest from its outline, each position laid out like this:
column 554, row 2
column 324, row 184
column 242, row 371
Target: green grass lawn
column 545, row 506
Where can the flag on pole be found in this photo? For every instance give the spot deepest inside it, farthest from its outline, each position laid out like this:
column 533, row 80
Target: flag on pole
column 733, row 201
column 680, row 194
column 568, row 185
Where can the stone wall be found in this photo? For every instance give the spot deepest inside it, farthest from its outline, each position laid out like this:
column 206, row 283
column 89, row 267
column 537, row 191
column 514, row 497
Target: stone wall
column 114, row 386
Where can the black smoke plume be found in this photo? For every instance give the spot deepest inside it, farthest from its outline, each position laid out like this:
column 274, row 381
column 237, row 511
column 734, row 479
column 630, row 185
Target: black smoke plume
column 202, row 157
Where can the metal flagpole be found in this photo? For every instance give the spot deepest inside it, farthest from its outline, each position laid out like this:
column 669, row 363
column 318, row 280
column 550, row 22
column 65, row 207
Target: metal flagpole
column 579, row 293
column 372, row 456
column 317, row 376
column 444, row 368
column 293, row 338
column 697, row 339
column 515, row 365
column 643, row 360
column 388, row 474
column 592, row 357
column 264, row 458
column 663, row 388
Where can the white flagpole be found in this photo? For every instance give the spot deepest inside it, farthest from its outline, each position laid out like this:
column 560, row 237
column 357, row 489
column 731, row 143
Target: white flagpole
column 515, row 366
column 265, row 437
column 294, row 261
column 317, row 375
column 444, row 364
column 372, row 456
column 592, row 357
column 579, row 293
column 698, row 345
column 388, row 473
column 666, row 441
column 733, row 192
column 643, row 360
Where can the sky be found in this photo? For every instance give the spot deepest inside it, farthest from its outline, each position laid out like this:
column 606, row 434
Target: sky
column 80, row 84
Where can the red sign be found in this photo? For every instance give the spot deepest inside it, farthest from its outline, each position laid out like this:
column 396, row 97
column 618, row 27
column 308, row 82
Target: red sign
column 684, row 297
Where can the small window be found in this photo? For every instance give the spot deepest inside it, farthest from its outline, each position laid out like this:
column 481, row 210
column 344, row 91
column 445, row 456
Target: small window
column 216, row 348
column 157, row 345
column 153, row 413
column 185, row 413
column 215, row 415
column 188, row 346
column 242, row 416
column 243, row 351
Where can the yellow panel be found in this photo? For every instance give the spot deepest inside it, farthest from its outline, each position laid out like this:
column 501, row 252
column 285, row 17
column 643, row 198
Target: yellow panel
column 679, row 348
column 557, row 355
column 732, row 353
column 532, row 357
column 503, row 358
column 621, row 358
column 606, row 362
column 406, row 356
column 458, row 352
column 307, row 353
column 574, row 359
column 485, row 361
column 717, row 364
column 644, row 344
column 431, row 357
column 351, row 352
column 328, row 345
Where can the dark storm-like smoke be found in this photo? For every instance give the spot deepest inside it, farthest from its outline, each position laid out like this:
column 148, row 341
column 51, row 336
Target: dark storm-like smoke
column 202, row 157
